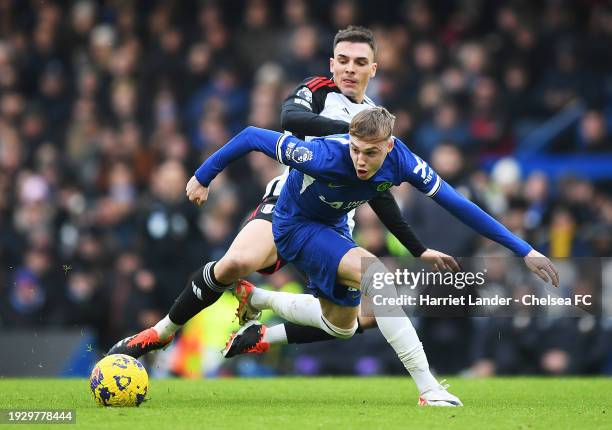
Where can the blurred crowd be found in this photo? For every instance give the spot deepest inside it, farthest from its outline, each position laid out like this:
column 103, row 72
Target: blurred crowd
column 107, row 107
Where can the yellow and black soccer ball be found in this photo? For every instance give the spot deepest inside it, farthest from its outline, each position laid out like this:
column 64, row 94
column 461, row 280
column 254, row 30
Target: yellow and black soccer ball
column 119, row 380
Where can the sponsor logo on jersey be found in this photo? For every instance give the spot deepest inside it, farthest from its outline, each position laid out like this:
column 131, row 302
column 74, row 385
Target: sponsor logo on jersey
column 342, row 205
column 335, row 205
column 305, row 93
column 384, row 186
column 301, row 154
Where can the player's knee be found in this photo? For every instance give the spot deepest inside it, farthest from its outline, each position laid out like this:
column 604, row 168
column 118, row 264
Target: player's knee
column 366, row 322
column 339, row 332
column 235, row 266
column 374, row 274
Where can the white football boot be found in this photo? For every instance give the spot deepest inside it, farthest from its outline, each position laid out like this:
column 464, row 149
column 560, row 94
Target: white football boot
column 439, row 396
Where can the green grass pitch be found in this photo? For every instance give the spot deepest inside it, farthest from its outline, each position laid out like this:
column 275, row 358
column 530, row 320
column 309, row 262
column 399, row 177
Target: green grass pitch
column 326, row 403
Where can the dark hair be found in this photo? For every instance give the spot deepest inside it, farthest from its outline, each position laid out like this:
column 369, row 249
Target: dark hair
column 356, row 34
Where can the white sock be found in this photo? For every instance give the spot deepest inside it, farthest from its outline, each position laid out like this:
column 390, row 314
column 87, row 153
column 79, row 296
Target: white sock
column 275, row 334
column 404, row 339
column 260, row 298
column 398, row 330
column 302, row 309
column 166, row 328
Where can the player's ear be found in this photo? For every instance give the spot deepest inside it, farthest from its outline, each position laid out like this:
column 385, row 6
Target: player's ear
column 373, row 71
column 390, row 144
column 331, row 65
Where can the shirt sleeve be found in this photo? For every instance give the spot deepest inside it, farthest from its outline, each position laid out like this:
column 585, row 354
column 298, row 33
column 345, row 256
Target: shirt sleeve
column 300, row 111
column 417, row 172
column 299, row 120
column 249, row 139
column 471, row 215
column 387, row 210
column 306, row 157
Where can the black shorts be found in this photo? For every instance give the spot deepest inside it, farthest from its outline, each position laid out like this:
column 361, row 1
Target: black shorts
column 265, row 211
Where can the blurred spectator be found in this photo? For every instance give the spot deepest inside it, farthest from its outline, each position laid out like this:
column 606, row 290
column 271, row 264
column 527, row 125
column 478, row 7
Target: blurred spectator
column 593, row 135
column 446, row 125
column 426, row 217
column 171, row 242
column 257, row 39
column 301, row 57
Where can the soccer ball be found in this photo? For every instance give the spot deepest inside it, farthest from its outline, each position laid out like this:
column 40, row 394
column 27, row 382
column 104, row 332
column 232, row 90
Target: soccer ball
column 119, row 380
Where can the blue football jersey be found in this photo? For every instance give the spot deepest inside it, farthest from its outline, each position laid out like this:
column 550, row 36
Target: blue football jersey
column 324, row 186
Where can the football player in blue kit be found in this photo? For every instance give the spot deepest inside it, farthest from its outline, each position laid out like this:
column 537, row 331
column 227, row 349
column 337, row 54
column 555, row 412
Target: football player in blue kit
column 318, row 106
column 331, row 176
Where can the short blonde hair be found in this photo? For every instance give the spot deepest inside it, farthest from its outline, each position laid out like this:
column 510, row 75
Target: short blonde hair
column 372, row 124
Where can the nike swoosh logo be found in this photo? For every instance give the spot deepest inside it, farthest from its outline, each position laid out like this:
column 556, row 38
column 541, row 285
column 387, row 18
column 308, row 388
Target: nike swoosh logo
column 330, row 185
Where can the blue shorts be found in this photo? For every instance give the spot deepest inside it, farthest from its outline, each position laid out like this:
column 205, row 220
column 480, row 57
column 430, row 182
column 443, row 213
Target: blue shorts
column 317, row 249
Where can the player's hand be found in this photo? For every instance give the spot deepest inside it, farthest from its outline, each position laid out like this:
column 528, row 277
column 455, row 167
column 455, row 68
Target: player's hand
column 542, row 266
column 440, row 261
column 196, row 192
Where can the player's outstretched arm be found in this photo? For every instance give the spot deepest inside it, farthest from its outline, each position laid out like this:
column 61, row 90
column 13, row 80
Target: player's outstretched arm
column 301, row 121
column 307, row 157
column 387, row 210
column 249, row 139
column 471, row 215
column 300, row 110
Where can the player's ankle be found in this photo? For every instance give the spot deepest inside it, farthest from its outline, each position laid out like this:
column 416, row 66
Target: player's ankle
column 165, row 328
column 260, row 299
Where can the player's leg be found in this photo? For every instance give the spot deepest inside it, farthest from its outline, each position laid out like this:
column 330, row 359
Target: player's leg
column 253, row 246
column 320, row 247
column 291, row 333
column 299, row 309
column 253, row 249
column 257, row 338
column 397, row 328
column 317, row 250
column 392, row 322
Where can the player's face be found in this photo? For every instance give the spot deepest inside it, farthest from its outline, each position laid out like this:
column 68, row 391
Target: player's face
column 352, row 66
column 369, row 156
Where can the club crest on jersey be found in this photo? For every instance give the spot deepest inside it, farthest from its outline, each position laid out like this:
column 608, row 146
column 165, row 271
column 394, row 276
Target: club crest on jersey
column 384, row 186
column 289, row 149
column 306, row 94
column 301, row 154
